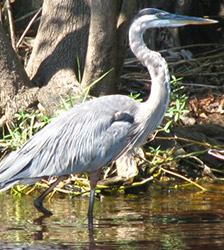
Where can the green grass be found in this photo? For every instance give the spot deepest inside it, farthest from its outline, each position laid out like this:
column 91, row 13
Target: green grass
column 177, row 109
column 22, row 129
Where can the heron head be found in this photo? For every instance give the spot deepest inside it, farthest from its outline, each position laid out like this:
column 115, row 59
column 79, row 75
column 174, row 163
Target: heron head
column 155, row 18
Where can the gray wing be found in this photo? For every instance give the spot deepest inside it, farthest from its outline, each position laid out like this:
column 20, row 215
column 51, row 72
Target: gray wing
column 85, row 138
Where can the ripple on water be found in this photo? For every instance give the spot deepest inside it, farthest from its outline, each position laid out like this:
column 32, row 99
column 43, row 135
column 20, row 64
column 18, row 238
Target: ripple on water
column 156, row 220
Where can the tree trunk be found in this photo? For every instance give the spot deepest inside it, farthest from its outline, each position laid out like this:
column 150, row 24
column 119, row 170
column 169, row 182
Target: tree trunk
column 15, row 87
column 63, row 37
column 61, row 41
column 101, row 53
column 107, row 43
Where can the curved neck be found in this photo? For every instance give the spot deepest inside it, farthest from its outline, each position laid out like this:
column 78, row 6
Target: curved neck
column 157, row 102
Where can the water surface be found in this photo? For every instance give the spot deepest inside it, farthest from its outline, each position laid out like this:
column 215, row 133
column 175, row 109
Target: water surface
column 158, row 219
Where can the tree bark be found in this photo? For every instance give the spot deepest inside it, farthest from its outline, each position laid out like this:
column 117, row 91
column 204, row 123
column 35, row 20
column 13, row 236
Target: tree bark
column 107, row 43
column 101, row 53
column 60, row 41
column 16, row 90
column 127, row 12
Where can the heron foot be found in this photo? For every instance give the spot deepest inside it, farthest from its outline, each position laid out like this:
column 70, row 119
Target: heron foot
column 39, row 206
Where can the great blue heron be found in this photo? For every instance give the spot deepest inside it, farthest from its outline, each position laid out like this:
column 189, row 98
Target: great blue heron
column 95, row 133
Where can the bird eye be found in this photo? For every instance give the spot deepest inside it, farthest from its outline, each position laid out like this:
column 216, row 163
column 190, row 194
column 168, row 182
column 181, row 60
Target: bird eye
column 159, row 16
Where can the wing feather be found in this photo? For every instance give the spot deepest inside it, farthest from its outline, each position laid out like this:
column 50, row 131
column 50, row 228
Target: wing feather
column 85, row 138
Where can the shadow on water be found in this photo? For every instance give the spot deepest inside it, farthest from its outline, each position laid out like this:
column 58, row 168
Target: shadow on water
column 184, row 219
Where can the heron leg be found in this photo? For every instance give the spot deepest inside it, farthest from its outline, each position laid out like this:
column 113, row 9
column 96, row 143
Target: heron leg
column 38, row 203
column 94, row 177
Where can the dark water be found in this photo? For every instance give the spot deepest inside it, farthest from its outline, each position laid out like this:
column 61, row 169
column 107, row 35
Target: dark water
column 160, row 219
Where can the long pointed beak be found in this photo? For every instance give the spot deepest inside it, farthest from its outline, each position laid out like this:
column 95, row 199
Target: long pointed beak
column 180, row 20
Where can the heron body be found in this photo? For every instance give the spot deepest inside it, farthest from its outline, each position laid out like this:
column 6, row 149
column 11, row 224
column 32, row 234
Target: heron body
column 93, row 134
column 82, row 139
